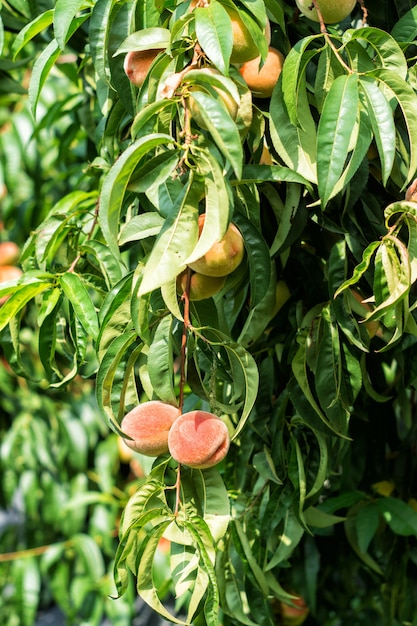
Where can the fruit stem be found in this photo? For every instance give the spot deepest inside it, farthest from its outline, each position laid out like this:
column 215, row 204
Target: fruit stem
column 328, row 39
column 177, row 491
column 183, row 354
column 73, row 265
column 364, row 11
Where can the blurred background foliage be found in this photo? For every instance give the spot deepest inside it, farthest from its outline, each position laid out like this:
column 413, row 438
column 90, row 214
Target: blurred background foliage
column 64, row 480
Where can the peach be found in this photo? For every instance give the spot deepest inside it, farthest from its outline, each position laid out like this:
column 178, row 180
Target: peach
column 261, row 80
column 9, row 252
column 294, row 615
column 201, row 286
column 148, row 426
column 224, row 256
column 198, row 439
column 8, row 272
column 137, row 63
column 332, row 11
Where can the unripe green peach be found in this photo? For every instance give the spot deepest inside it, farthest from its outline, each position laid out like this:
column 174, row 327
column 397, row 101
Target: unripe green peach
column 8, row 272
column 224, row 256
column 9, row 252
column 201, row 286
column 262, row 80
column 332, row 11
column 198, row 439
column 137, row 63
column 148, row 426
column 244, row 48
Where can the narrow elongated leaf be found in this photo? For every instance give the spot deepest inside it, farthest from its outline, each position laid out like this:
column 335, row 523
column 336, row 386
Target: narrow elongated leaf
column 160, row 362
column 405, row 30
column 222, row 128
column 361, row 268
column 292, row 77
column 28, row 32
column 21, row 295
column 217, row 206
column 64, row 13
column 258, row 258
column 214, row 33
column 382, row 122
column 407, row 101
column 108, row 375
column 77, row 293
column 243, row 366
column 385, row 49
column 150, row 38
column 295, row 145
column 40, row 71
column 141, row 227
column 175, row 241
column 401, row 518
column 116, row 182
column 334, row 133
column 290, row 537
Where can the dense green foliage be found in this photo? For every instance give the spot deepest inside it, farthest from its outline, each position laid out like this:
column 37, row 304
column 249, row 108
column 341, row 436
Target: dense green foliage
column 318, row 492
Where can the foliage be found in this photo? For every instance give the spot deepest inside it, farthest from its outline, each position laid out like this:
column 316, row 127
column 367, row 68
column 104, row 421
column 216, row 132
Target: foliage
column 318, row 492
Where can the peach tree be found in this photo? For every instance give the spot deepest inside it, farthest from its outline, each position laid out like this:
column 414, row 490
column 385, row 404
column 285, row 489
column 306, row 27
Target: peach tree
column 306, row 349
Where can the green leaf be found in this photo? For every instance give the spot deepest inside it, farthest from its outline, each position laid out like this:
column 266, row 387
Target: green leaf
column 116, row 182
column 405, row 29
column 161, row 362
column 40, row 71
column 214, row 34
column 295, row 145
column 77, row 294
column 293, row 77
column 317, row 518
column 335, row 128
column 108, row 376
column 407, row 101
column 21, row 295
column 175, row 241
column 141, row 227
column 242, row 366
column 289, row 538
column 400, row 517
column 221, row 126
column 29, row 31
column 382, row 122
column 27, row 580
column 64, row 13
column 150, row 38
column 361, row 268
column 382, row 47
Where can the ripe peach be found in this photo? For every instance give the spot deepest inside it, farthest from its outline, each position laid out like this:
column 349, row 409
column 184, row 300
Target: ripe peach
column 8, row 272
column 148, row 426
column 294, row 615
column 262, row 80
column 137, row 63
column 222, row 258
column 333, row 11
column 9, row 252
column 198, row 439
column 201, row 286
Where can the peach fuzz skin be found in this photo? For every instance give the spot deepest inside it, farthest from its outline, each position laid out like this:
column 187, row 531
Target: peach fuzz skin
column 148, row 425
column 198, row 439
